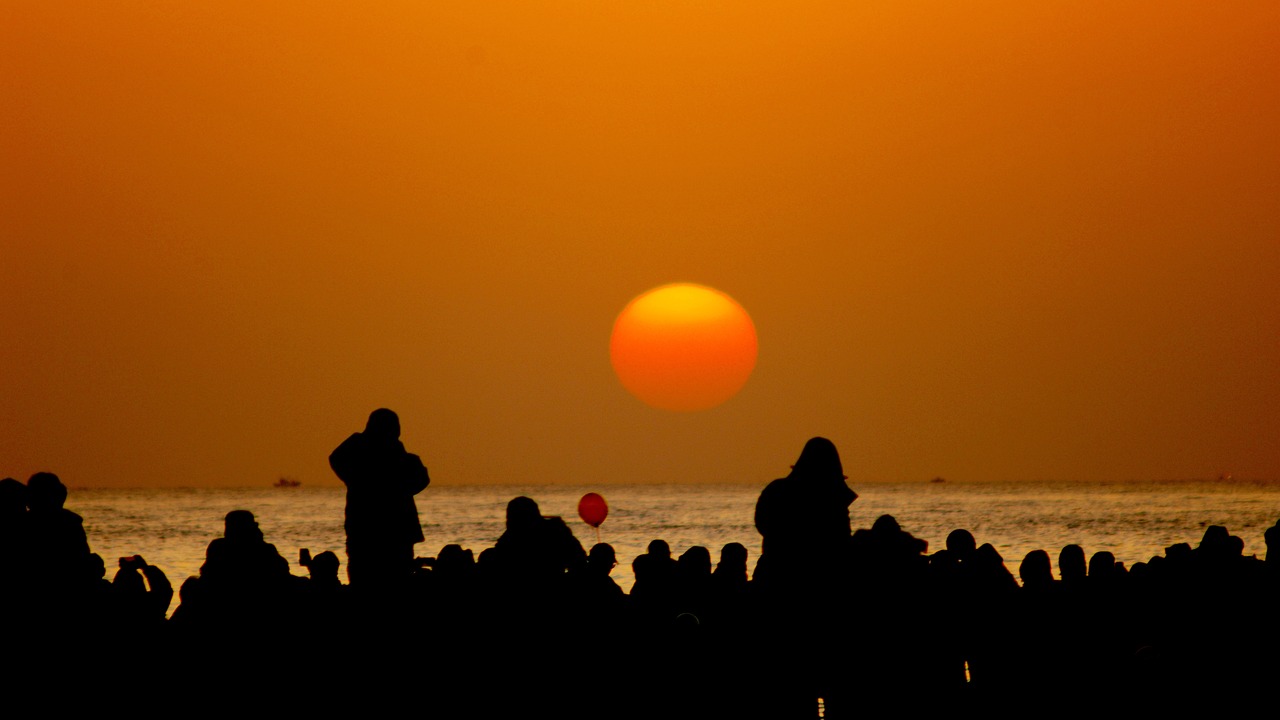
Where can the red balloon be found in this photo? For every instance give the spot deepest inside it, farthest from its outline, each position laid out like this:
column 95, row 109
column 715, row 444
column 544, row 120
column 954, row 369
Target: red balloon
column 592, row 509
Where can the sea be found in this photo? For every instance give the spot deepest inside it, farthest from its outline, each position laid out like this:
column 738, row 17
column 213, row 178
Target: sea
column 171, row 528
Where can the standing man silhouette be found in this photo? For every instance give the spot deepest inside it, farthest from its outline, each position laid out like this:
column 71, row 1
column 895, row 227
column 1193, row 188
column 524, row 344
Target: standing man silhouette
column 381, row 518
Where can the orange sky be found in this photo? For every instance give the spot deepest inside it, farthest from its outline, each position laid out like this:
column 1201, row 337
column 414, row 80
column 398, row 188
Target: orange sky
column 978, row 240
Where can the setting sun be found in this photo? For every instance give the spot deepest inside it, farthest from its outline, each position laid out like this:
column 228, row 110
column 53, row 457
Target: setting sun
column 683, row 347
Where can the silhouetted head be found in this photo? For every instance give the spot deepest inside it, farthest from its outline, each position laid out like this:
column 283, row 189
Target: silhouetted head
column 95, row 566
column 1071, row 565
column 642, row 567
column 695, row 562
column 659, row 549
column 383, row 424
column 886, row 524
column 960, row 543
column 13, row 498
column 45, row 492
column 523, row 514
column 819, row 458
column 988, row 555
column 128, row 580
column 733, row 555
column 1216, row 541
column 189, row 590
column 1235, row 546
column 1036, row 570
column 454, row 558
column 1272, row 538
column 324, row 568
column 602, row 558
column 487, row 560
column 240, row 525
column 1179, row 554
column 1102, row 564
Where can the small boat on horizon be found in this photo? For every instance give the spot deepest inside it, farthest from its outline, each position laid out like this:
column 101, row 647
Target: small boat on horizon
column 938, row 480
column 286, row 482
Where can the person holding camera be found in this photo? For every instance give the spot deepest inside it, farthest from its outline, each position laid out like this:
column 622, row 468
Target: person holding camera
column 381, row 516
column 142, row 593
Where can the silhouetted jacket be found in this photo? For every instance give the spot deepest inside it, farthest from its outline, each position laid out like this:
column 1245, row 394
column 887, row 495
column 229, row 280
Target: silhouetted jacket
column 381, row 480
column 802, row 515
column 243, row 564
column 804, row 524
column 56, row 543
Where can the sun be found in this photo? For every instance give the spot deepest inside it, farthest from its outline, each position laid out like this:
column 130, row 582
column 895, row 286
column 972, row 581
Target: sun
column 683, row 347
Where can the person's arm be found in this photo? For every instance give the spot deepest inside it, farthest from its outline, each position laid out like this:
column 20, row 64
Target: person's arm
column 76, row 530
column 160, row 590
column 766, row 511
column 416, row 478
column 345, row 459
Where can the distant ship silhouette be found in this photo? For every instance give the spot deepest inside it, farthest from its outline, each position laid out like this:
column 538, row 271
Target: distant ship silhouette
column 938, row 480
column 286, row 482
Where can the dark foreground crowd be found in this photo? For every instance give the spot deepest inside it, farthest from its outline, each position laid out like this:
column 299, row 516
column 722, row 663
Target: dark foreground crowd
column 870, row 621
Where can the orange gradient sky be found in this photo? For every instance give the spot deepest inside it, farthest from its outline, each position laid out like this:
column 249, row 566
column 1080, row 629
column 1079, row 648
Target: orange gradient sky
column 978, row 240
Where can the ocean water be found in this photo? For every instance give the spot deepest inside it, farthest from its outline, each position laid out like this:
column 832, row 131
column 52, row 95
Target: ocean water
column 172, row 528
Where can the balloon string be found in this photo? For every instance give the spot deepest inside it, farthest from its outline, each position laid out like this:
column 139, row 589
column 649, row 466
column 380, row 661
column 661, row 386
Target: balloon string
column 597, row 534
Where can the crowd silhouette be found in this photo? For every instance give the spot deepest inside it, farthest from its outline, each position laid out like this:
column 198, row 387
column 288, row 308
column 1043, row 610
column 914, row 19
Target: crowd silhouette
column 852, row 621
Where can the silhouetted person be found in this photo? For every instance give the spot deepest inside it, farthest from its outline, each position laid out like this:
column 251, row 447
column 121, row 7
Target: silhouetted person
column 994, row 589
column 243, row 593
column 664, row 566
column 1036, row 571
column 598, row 608
column 535, row 551
column 730, row 576
column 454, row 565
column 141, row 593
column 601, row 561
column 803, row 520
column 381, row 517
column 887, row 569
column 655, row 589
column 598, row 594
column 326, row 604
column 242, row 565
column 1036, row 644
column 693, row 582
column 13, row 535
column 954, row 580
column 1102, row 568
column 323, row 570
column 961, row 544
column 1072, row 568
column 57, row 545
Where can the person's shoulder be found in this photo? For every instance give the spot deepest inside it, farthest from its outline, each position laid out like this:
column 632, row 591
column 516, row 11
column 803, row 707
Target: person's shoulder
column 776, row 487
column 216, row 551
column 347, row 451
column 352, row 439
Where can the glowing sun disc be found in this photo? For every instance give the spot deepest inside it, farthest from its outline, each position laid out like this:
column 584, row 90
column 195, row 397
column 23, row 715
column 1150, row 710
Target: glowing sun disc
column 683, row 347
